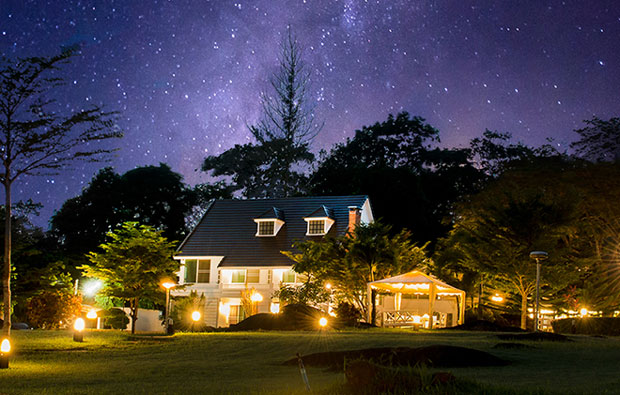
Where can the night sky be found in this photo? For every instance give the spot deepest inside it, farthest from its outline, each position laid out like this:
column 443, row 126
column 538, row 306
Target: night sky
column 186, row 75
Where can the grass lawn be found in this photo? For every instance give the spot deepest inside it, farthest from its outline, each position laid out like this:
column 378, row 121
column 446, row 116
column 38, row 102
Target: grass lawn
column 49, row 362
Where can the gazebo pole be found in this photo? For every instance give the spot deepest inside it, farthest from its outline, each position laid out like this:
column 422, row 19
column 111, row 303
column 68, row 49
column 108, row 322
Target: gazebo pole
column 431, row 303
column 369, row 304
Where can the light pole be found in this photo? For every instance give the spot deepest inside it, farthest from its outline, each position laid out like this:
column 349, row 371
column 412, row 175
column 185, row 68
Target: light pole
column 167, row 285
column 537, row 256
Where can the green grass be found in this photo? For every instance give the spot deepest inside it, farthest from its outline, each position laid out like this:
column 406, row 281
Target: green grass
column 49, row 362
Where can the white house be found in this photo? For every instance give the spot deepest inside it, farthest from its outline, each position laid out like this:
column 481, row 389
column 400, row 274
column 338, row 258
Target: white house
column 237, row 246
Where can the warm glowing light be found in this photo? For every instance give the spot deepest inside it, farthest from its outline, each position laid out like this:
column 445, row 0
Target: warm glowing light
column 91, row 315
column 5, row 347
column 256, row 297
column 196, row 316
column 417, row 319
column 497, row 298
column 583, row 312
column 168, row 285
column 78, row 325
column 332, row 314
column 328, row 286
column 323, row 322
column 91, row 287
column 225, row 309
column 275, row 308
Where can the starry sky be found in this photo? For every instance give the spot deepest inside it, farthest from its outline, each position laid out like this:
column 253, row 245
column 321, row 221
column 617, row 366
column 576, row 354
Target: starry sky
column 186, row 75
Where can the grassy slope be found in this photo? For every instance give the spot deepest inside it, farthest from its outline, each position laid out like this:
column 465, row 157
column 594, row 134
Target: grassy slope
column 107, row 362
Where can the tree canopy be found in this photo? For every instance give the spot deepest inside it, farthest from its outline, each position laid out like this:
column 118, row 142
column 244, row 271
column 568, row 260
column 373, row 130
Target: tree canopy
column 133, row 264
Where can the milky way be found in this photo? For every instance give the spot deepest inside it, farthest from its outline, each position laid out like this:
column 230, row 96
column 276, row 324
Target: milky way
column 186, row 75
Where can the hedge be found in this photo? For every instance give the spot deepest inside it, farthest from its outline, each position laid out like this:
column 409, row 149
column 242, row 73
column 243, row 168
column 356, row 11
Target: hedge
column 608, row 326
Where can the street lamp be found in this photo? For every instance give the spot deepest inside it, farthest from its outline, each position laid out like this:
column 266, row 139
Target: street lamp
column 5, row 349
column 538, row 256
column 167, row 285
column 78, row 330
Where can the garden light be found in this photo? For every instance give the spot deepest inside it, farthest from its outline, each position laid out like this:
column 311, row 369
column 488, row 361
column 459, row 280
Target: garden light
column 583, row 312
column 497, row 298
column 323, row 322
column 328, row 286
column 256, row 297
column 275, row 308
column 78, row 328
column 91, row 315
column 196, row 316
column 5, row 349
column 167, row 285
column 92, row 287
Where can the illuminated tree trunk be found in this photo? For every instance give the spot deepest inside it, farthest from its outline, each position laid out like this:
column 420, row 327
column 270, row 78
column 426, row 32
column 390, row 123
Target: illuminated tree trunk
column 134, row 314
column 523, row 311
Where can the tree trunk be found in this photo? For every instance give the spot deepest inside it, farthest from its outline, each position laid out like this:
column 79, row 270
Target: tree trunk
column 523, row 311
column 373, row 311
column 6, row 272
column 134, row 315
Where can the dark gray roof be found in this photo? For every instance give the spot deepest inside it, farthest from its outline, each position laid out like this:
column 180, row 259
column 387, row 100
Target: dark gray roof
column 228, row 228
column 322, row 212
column 272, row 213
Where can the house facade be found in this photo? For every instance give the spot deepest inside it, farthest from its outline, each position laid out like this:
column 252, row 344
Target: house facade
column 236, row 248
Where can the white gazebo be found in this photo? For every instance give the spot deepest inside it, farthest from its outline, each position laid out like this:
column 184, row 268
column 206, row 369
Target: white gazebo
column 419, row 299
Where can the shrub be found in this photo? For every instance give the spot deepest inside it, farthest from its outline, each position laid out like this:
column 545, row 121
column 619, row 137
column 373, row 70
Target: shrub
column 114, row 319
column 347, row 314
column 53, row 309
column 182, row 312
column 608, row 326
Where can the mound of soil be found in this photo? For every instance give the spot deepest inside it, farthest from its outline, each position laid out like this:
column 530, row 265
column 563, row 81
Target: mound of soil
column 432, row 356
column 535, row 336
column 485, row 326
column 293, row 317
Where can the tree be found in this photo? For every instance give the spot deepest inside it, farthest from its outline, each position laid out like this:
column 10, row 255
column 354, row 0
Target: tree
column 496, row 229
column 350, row 262
column 151, row 195
column 599, row 141
column 53, row 308
column 133, row 264
column 423, row 181
column 36, row 138
column 271, row 168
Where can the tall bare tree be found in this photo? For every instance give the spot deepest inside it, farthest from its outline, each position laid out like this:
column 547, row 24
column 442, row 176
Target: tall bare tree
column 271, row 168
column 38, row 138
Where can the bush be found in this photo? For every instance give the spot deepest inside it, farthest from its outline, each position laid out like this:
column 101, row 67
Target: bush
column 114, row 319
column 607, row 326
column 53, row 309
column 347, row 314
column 182, row 312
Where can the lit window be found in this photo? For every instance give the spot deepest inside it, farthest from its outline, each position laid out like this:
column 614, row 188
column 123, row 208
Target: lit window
column 204, row 271
column 238, row 277
column 266, row 228
column 253, row 276
column 316, row 227
column 288, row 276
column 197, row 271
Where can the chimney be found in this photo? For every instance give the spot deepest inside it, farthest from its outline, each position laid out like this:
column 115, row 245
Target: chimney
column 355, row 215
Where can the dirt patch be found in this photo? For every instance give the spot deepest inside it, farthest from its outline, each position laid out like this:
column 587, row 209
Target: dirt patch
column 293, row 317
column 535, row 336
column 432, row 356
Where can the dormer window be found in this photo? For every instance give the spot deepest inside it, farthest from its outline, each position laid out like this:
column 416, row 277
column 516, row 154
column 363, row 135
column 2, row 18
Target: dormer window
column 319, row 222
column 266, row 228
column 316, row 227
column 269, row 223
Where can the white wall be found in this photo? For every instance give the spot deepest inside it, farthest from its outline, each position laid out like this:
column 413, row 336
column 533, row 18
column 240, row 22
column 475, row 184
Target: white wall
column 148, row 320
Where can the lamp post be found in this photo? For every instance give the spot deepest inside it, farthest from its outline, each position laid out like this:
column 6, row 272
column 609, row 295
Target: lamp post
column 256, row 298
column 537, row 256
column 5, row 349
column 167, row 285
column 78, row 330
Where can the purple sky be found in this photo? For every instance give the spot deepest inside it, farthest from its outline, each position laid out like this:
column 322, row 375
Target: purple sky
column 186, row 75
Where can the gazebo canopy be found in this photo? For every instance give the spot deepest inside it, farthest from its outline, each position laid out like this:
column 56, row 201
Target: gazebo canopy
column 415, row 282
